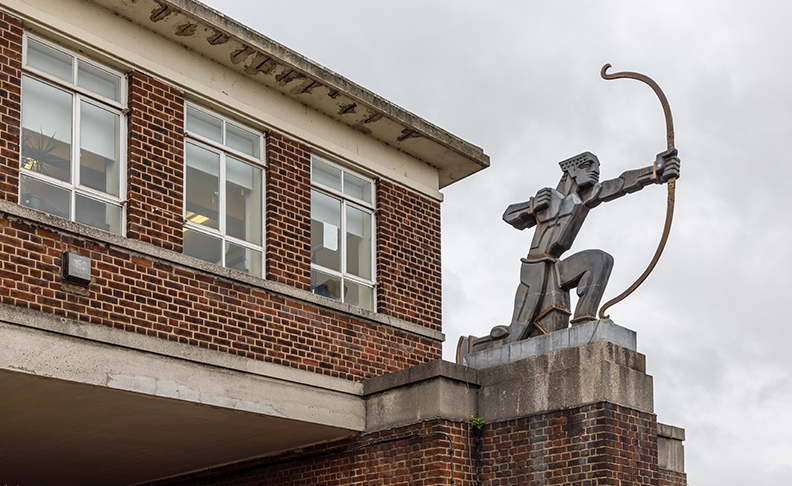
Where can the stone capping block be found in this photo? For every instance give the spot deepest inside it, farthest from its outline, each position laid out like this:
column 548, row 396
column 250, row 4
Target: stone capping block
column 670, row 432
column 593, row 331
column 670, row 450
column 436, row 390
column 567, row 378
column 435, row 369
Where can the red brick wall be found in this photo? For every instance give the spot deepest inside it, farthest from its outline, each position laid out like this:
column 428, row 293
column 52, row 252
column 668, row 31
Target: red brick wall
column 672, row 478
column 408, row 255
column 595, row 445
column 288, row 212
column 394, row 457
column 156, row 162
column 155, row 298
column 599, row 444
column 10, row 116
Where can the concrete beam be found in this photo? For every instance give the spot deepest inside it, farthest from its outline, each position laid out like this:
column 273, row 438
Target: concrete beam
column 93, row 355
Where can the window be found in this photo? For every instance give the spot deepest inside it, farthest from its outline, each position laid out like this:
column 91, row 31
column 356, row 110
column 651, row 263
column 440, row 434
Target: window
column 71, row 144
column 342, row 229
column 224, row 204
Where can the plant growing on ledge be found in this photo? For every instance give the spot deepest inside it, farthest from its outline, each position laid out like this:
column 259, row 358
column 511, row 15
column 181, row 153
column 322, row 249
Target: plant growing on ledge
column 476, row 423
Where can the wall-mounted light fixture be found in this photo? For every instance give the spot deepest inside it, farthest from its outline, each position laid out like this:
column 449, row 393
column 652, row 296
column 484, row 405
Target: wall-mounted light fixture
column 76, row 269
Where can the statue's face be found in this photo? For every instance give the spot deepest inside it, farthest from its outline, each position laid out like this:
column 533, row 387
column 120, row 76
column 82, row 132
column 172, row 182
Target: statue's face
column 586, row 174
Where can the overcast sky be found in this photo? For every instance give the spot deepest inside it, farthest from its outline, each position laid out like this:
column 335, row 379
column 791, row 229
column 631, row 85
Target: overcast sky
column 521, row 80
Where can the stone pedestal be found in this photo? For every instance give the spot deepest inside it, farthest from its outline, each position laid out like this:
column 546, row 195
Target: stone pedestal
column 570, row 377
column 589, row 332
column 570, row 407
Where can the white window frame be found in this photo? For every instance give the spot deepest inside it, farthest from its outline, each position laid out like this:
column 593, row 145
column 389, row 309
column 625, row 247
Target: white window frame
column 365, row 206
column 224, row 150
column 80, row 94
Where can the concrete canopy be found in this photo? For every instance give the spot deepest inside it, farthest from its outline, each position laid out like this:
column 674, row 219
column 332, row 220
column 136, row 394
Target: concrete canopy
column 80, row 434
column 91, row 405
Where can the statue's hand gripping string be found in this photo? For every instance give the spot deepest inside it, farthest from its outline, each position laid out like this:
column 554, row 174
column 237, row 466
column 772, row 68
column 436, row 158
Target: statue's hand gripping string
column 671, row 181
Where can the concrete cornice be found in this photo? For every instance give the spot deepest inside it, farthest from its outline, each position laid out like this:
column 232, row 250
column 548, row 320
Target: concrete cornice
column 228, row 42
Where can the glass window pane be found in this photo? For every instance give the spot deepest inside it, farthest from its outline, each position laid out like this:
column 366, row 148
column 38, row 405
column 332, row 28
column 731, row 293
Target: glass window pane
column 325, row 285
column 243, row 140
column 358, row 237
column 356, row 187
column 325, row 174
column 202, row 186
column 243, row 201
column 49, row 60
column 204, row 124
column 39, row 195
column 99, row 152
column 97, row 214
column 46, row 129
column 203, row 246
column 243, row 259
column 325, row 230
column 359, row 295
column 98, row 80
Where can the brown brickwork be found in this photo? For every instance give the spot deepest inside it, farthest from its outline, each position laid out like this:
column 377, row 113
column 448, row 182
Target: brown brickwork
column 594, row 445
column 156, row 162
column 599, row 444
column 408, row 255
column 138, row 294
column 288, row 212
column 672, row 478
column 10, row 116
column 399, row 457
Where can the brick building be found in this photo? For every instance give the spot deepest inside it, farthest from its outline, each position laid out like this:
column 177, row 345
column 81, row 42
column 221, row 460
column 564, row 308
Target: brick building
column 221, row 265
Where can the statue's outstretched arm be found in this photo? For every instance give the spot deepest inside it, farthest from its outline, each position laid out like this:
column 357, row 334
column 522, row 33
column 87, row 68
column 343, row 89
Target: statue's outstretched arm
column 630, row 181
column 523, row 215
column 666, row 166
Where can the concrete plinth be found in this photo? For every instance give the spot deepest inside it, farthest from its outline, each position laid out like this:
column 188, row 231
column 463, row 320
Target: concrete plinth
column 589, row 332
column 559, row 373
column 566, row 378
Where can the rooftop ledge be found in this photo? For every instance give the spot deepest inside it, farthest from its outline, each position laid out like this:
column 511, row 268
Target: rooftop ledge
column 240, row 48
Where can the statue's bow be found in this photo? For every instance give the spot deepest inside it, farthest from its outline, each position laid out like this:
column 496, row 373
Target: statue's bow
column 671, row 182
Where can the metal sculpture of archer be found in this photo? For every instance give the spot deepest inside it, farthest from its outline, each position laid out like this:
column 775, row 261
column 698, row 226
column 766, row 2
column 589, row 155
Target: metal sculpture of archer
column 542, row 302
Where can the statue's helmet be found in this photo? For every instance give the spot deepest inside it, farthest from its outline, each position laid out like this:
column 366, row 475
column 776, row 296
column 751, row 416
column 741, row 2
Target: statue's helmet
column 583, row 168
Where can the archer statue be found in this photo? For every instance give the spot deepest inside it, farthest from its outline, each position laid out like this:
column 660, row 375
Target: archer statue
column 542, row 301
